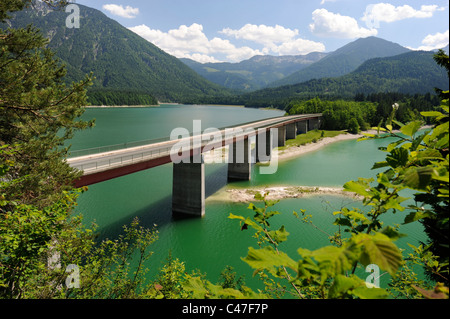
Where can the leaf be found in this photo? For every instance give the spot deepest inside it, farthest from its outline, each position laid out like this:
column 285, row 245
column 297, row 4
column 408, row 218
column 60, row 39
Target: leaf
column 398, row 157
column 380, row 165
column 267, row 258
column 342, row 222
column 356, row 187
column 418, row 178
column 392, row 233
column 411, row 128
column 378, row 249
column 196, row 286
column 245, row 222
column 415, row 216
column 342, row 286
column 370, row 293
column 280, row 235
column 334, row 260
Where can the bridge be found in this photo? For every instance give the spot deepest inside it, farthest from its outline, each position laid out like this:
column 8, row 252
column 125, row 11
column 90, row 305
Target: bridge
column 187, row 155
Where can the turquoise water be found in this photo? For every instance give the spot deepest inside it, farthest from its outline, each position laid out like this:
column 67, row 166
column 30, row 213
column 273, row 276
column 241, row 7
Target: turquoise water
column 212, row 242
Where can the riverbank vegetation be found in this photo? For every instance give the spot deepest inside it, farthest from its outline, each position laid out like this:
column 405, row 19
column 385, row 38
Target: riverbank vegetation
column 116, row 97
column 47, row 252
column 366, row 111
column 310, row 137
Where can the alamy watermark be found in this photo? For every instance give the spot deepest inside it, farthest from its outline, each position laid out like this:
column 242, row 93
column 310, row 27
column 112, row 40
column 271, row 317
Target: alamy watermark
column 73, row 19
column 212, row 141
column 373, row 280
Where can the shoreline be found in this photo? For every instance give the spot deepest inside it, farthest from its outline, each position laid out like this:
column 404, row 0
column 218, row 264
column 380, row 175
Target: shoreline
column 246, row 195
column 296, row 151
column 277, row 192
column 284, row 192
column 118, row 106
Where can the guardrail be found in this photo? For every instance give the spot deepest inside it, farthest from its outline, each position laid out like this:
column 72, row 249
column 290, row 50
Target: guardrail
column 108, row 157
column 127, row 145
column 121, row 160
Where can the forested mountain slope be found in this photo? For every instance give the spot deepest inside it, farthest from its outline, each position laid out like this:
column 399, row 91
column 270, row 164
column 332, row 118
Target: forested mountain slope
column 120, row 60
column 344, row 60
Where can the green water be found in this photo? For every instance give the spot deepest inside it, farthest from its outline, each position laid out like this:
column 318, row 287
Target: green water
column 212, row 242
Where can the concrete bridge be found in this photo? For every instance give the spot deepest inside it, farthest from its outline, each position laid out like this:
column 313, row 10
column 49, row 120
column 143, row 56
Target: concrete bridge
column 188, row 195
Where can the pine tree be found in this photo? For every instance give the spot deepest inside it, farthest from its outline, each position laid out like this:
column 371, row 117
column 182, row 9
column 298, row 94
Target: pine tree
column 38, row 112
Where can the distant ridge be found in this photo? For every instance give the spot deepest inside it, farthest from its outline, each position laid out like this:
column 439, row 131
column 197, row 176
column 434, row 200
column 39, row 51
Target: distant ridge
column 410, row 73
column 254, row 73
column 344, row 60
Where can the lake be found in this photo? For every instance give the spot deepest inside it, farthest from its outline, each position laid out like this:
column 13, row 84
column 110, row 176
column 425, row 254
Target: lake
column 212, row 242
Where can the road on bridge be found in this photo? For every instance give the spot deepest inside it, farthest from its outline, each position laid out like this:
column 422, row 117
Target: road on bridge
column 111, row 164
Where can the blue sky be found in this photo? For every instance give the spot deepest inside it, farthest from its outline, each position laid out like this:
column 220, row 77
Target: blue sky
column 235, row 30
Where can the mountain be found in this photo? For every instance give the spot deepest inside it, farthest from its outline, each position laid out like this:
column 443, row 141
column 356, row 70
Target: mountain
column 255, row 73
column 344, row 60
column 121, row 60
column 412, row 72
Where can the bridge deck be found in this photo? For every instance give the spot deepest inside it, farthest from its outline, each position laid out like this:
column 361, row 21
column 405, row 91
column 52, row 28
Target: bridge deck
column 112, row 164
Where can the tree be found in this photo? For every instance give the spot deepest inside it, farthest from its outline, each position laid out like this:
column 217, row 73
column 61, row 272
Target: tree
column 442, row 59
column 353, row 126
column 38, row 113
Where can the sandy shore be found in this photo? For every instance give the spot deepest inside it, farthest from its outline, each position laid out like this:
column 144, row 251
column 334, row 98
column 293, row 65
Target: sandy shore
column 295, row 151
column 247, row 195
column 282, row 192
column 118, row 106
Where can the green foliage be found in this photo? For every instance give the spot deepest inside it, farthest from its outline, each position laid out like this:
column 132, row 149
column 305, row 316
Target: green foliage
column 409, row 73
column 344, row 60
column 228, row 279
column 417, row 161
column 320, row 273
column 338, row 115
column 39, row 112
column 116, row 97
column 39, row 236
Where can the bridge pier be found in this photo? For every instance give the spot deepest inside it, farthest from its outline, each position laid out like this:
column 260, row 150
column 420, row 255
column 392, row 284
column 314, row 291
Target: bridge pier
column 314, row 124
column 188, row 190
column 264, row 146
column 302, row 127
column 291, row 131
column 281, row 136
column 240, row 161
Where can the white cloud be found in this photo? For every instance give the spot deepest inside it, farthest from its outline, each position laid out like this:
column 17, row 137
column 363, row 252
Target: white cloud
column 299, row 46
column 191, row 42
column 323, row 1
column 262, row 34
column 386, row 12
column 329, row 24
column 119, row 10
column 434, row 41
column 275, row 39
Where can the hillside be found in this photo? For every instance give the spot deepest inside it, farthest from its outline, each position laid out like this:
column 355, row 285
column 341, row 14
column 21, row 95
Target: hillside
column 254, row 73
column 411, row 73
column 344, row 60
column 121, row 60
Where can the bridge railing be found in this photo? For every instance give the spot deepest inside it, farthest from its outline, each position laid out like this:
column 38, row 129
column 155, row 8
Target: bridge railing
column 121, row 160
column 109, row 148
column 116, row 147
column 143, row 151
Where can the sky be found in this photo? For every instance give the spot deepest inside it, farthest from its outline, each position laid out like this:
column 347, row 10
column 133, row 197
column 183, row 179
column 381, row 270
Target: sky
column 236, row 30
